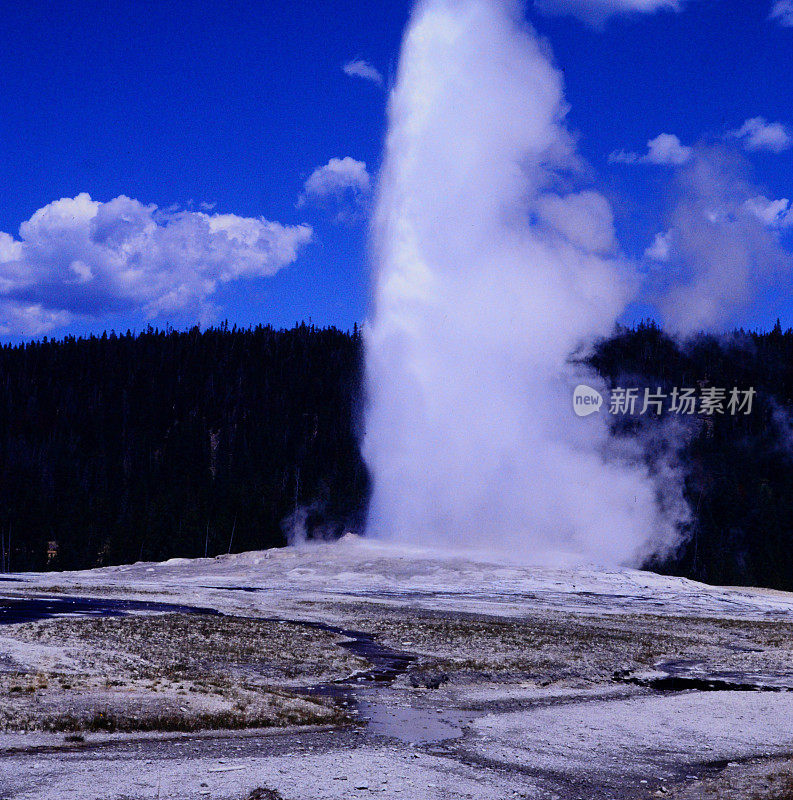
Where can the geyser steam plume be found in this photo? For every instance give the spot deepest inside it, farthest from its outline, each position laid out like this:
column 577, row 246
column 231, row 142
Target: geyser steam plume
column 490, row 271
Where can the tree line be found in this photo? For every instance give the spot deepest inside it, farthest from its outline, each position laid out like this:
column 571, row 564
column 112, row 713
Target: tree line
column 121, row 448
column 736, row 468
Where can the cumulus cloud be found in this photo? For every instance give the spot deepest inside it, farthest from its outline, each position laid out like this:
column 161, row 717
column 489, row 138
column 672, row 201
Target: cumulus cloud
column 661, row 248
column 596, row 12
column 10, row 250
column 358, row 68
column 724, row 246
column 344, row 183
column 666, row 149
column 782, row 12
column 30, row 319
column 774, row 213
column 81, row 258
column 759, row 134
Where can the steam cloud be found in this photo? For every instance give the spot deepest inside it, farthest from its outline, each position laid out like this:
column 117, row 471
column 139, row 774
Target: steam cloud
column 491, row 269
column 722, row 250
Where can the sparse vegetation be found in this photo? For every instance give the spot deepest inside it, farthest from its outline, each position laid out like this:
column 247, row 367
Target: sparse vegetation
column 581, row 649
column 169, row 672
column 264, row 794
column 755, row 781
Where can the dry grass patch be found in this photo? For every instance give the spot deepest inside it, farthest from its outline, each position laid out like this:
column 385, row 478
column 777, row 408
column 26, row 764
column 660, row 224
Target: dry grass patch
column 580, row 649
column 173, row 672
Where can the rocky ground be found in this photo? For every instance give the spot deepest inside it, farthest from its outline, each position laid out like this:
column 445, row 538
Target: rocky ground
column 356, row 670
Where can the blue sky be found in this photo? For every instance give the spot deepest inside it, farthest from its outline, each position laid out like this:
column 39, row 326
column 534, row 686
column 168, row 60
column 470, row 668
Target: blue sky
column 235, row 105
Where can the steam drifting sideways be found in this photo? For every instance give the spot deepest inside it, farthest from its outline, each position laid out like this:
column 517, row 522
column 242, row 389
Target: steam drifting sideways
column 491, row 268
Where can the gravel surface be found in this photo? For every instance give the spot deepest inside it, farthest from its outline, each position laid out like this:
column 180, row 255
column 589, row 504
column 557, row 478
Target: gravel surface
column 505, row 682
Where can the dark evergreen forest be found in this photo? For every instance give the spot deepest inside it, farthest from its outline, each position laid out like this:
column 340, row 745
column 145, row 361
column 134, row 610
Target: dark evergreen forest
column 122, row 448
column 738, row 469
column 127, row 448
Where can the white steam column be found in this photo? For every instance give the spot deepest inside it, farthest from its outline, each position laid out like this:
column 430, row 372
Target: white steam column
column 489, row 271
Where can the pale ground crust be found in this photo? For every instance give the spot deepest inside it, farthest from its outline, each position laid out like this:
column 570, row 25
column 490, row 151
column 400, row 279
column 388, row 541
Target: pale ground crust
column 525, row 682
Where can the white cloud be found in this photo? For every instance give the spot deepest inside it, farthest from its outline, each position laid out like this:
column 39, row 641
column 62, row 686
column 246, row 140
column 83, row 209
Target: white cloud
column 79, row 257
column 343, row 182
column 30, row 319
column 726, row 247
column 782, row 12
column 10, row 250
column 759, row 134
column 774, row 213
column 596, row 12
column 661, row 248
column 336, row 177
column 358, row 68
column 665, row 149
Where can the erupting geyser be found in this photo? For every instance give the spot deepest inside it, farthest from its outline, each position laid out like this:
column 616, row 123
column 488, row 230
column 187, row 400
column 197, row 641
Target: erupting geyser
column 490, row 270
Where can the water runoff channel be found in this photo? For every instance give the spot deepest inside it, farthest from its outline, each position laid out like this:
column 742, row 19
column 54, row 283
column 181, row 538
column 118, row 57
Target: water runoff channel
column 365, row 692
